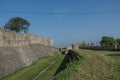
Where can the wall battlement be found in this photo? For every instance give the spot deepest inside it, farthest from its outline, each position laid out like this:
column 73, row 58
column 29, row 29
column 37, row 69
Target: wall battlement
column 10, row 38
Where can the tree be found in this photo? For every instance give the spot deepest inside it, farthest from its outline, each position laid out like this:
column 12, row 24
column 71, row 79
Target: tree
column 92, row 44
column 108, row 41
column 83, row 44
column 17, row 24
column 118, row 41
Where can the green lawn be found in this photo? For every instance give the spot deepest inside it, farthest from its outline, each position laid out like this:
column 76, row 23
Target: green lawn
column 68, row 67
column 97, row 65
column 28, row 73
column 50, row 73
column 114, row 58
column 93, row 65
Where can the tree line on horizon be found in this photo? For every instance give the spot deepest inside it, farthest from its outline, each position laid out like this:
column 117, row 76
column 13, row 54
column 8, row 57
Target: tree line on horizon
column 105, row 41
column 109, row 41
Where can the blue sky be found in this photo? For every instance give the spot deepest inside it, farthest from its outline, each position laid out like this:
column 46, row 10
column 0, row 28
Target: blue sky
column 66, row 29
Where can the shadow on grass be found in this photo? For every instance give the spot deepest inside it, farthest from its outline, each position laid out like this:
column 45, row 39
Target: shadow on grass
column 69, row 57
column 114, row 54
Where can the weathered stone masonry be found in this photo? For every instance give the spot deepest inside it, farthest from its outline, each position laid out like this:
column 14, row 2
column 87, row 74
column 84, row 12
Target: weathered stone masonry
column 20, row 50
column 10, row 38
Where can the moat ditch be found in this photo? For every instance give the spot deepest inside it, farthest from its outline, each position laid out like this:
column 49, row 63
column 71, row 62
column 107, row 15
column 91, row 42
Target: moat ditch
column 61, row 63
column 70, row 57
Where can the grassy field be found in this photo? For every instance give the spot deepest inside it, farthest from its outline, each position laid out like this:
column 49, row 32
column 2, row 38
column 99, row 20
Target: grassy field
column 28, row 73
column 93, row 65
column 68, row 67
column 50, row 73
column 97, row 65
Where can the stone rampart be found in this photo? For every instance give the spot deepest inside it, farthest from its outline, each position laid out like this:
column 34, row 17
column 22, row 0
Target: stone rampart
column 10, row 38
column 14, row 58
column 20, row 50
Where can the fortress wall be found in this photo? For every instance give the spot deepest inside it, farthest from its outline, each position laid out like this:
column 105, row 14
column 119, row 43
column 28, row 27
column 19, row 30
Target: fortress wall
column 10, row 38
column 20, row 50
column 13, row 58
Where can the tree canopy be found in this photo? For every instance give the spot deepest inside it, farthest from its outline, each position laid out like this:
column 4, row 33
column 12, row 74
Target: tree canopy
column 108, row 41
column 118, row 41
column 18, row 25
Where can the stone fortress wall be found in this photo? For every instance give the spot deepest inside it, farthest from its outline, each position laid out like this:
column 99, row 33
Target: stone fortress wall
column 20, row 50
column 10, row 38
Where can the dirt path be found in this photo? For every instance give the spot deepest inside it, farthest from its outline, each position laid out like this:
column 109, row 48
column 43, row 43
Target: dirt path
column 94, row 67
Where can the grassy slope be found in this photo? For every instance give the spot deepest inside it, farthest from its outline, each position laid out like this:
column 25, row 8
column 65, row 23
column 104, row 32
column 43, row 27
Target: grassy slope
column 70, row 68
column 28, row 73
column 98, row 65
column 48, row 75
column 114, row 58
